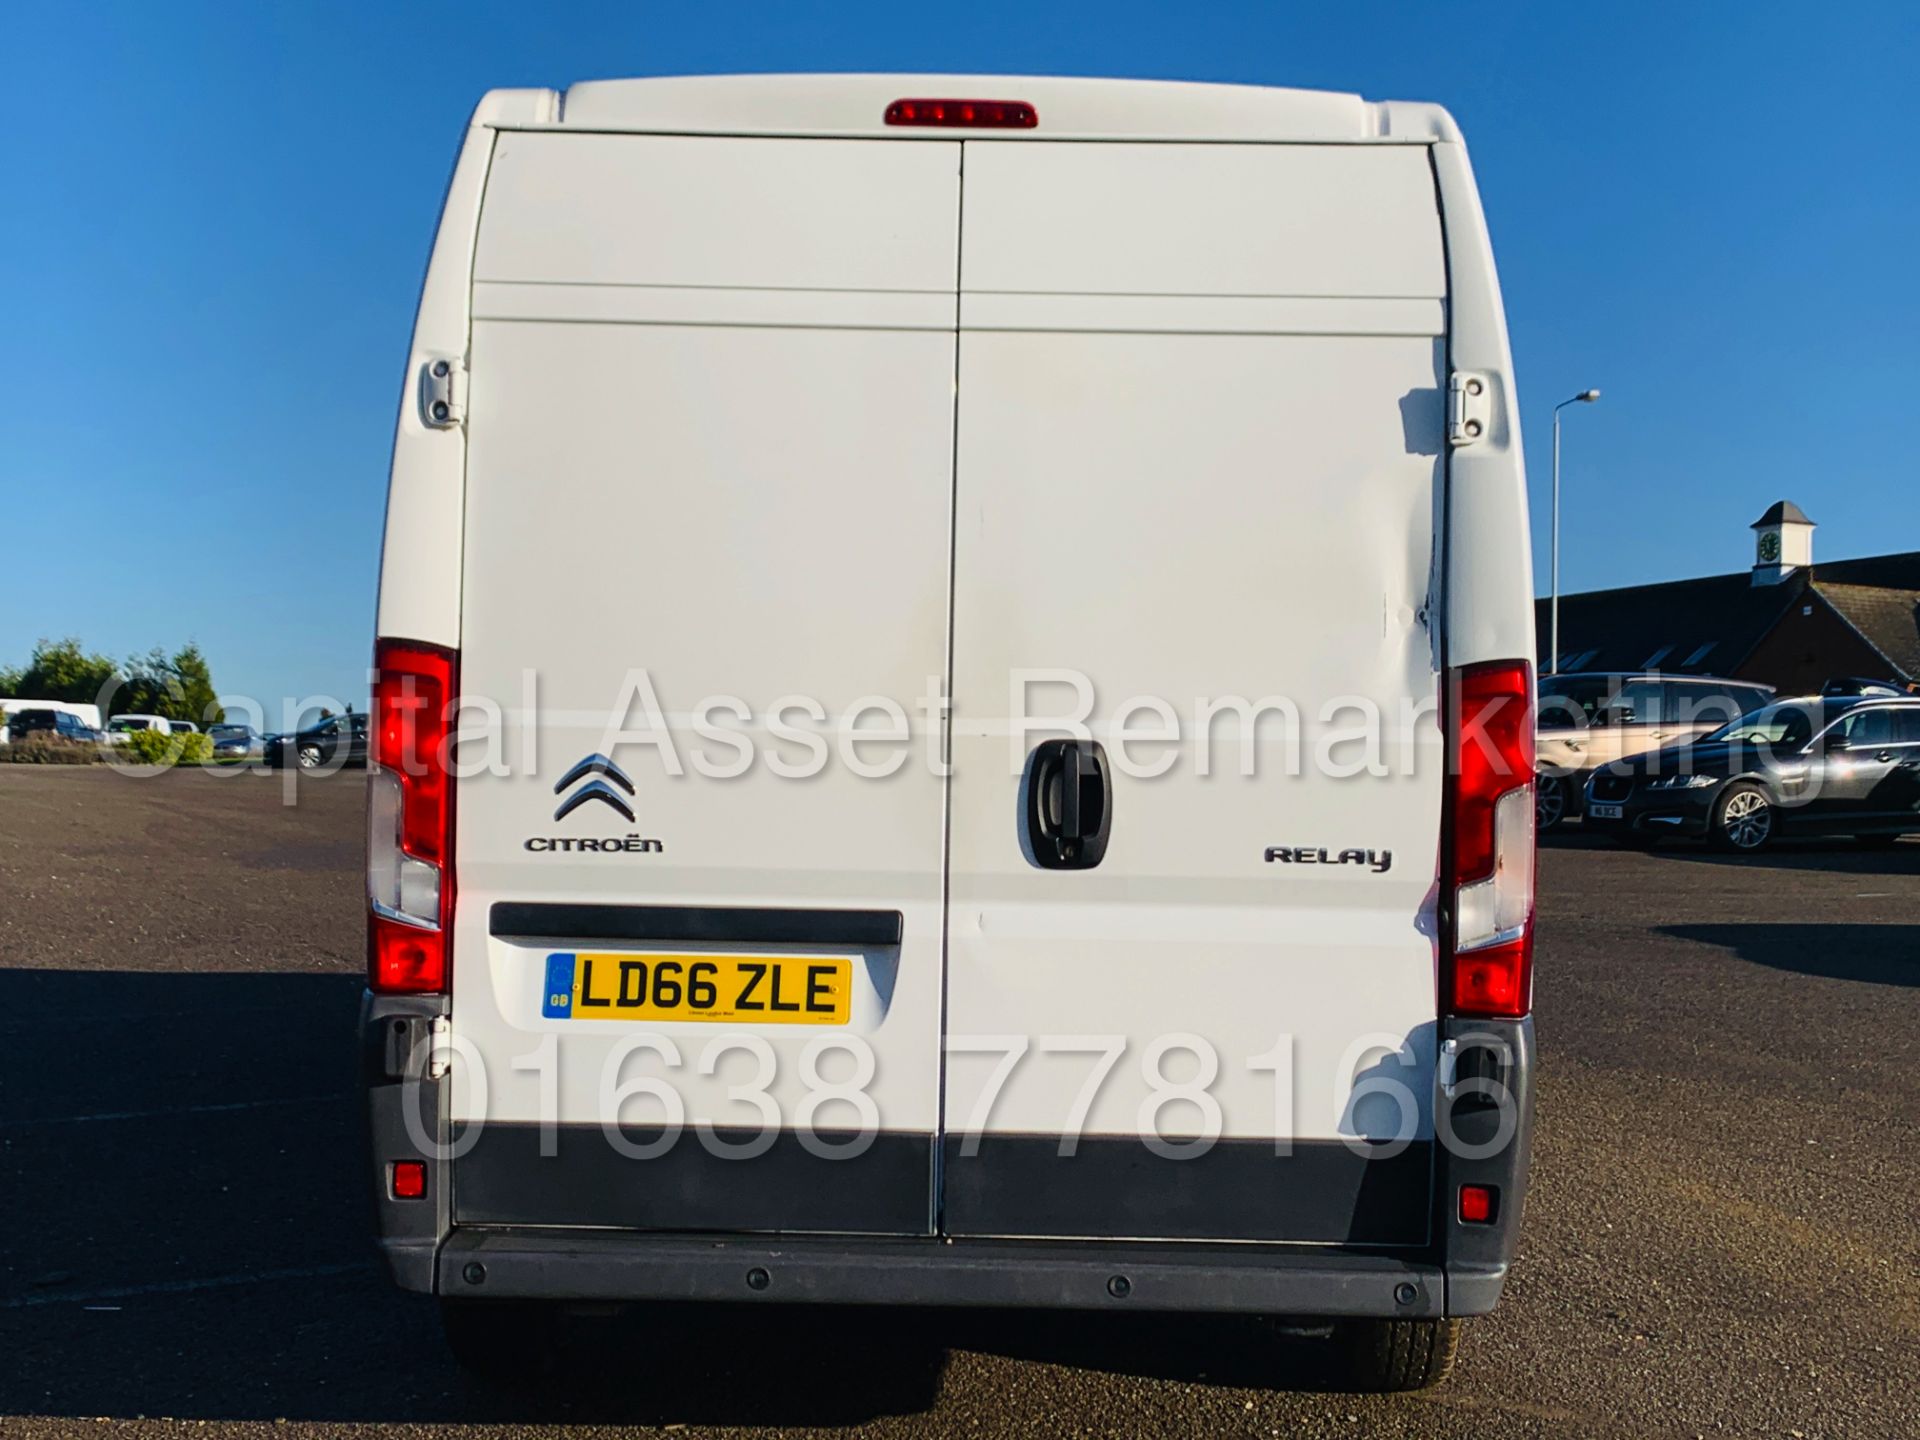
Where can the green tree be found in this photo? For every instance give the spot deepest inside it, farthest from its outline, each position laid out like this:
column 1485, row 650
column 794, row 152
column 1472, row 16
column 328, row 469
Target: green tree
column 143, row 689
column 61, row 670
column 195, row 680
column 178, row 686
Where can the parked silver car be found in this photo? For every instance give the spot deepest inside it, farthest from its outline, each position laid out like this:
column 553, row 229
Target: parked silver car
column 1593, row 718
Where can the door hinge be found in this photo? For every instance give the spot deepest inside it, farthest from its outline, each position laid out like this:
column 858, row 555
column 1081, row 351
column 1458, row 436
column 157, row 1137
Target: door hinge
column 1469, row 407
column 443, row 392
column 439, row 1050
column 1449, row 1067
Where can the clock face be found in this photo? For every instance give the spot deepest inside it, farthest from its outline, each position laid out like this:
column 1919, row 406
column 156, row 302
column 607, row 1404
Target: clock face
column 1770, row 547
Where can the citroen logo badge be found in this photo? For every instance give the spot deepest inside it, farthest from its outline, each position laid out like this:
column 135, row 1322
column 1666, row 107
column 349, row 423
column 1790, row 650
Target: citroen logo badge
column 602, row 770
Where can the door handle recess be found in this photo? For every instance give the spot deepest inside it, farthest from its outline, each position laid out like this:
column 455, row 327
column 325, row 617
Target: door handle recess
column 1067, row 804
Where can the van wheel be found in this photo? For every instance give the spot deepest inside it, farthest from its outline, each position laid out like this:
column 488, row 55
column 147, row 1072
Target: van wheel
column 502, row 1343
column 1552, row 800
column 1400, row 1354
column 1743, row 819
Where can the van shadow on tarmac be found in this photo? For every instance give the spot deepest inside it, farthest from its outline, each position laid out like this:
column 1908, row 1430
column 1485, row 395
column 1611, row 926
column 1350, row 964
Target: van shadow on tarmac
column 1869, row 954
column 188, row 1235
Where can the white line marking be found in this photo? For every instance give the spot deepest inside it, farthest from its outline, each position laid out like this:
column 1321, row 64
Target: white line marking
column 92, row 1298
column 116, row 1115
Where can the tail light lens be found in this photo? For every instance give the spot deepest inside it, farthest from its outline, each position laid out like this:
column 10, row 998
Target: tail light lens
column 409, row 819
column 1492, row 840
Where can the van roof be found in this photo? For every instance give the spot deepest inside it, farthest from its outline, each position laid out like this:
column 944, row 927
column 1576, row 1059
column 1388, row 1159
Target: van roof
column 1068, row 108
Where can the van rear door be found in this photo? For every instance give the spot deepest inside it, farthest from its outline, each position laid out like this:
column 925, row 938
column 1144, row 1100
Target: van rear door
column 1199, row 468
column 710, row 459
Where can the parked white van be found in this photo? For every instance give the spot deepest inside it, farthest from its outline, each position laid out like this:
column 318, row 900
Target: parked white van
column 88, row 714
column 993, row 635
column 121, row 726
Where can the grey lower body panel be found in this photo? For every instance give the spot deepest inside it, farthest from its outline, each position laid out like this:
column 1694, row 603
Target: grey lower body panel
column 1323, row 1192
column 824, row 1270
column 573, row 1176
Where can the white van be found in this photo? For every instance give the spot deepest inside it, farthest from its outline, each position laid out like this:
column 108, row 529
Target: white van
column 87, row 714
column 993, row 631
column 121, row 726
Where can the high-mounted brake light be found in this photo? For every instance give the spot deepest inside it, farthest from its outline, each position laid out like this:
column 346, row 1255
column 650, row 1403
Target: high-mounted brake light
column 409, row 819
column 1491, row 840
column 965, row 114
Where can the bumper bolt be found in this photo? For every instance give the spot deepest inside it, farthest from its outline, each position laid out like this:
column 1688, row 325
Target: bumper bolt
column 1405, row 1294
column 474, row 1273
column 1119, row 1287
column 758, row 1279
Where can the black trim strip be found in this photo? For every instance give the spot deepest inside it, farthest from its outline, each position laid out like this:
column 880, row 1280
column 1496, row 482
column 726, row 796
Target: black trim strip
column 1191, row 1279
column 727, row 925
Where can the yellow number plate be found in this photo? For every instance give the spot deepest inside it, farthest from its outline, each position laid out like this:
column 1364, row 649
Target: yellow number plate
column 741, row 989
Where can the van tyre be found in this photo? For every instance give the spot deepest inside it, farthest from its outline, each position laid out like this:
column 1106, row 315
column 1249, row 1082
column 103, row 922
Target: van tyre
column 1385, row 1355
column 1744, row 819
column 500, row 1343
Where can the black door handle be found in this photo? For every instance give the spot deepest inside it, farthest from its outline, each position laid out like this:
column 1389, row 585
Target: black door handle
column 1067, row 804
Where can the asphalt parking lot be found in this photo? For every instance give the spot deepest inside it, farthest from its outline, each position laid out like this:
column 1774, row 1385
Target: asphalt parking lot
column 1723, row 1236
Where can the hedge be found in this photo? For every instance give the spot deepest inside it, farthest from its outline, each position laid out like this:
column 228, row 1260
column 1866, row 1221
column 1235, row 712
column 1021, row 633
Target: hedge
column 158, row 747
column 42, row 751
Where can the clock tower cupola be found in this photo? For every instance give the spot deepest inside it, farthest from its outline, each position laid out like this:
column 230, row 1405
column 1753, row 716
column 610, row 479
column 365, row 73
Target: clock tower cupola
column 1782, row 543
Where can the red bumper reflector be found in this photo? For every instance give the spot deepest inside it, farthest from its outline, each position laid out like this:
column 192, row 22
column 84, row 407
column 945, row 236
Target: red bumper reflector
column 409, row 1178
column 1478, row 1204
column 964, row 114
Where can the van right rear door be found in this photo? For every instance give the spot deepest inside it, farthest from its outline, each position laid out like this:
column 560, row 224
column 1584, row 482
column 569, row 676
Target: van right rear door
column 1199, row 473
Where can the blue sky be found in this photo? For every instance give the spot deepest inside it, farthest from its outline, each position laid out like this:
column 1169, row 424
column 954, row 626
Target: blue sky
column 213, row 221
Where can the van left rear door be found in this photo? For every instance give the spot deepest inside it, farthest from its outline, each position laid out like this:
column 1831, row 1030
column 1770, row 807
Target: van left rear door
column 709, row 490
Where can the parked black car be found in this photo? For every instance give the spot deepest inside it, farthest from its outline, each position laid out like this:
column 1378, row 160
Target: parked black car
column 337, row 741
column 1815, row 766
column 50, row 724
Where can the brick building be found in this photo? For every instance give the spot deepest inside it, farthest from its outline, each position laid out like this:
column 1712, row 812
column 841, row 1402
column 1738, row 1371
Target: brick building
column 1786, row 622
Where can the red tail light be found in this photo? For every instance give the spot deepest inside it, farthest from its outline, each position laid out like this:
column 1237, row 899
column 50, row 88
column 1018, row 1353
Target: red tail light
column 1491, row 841
column 970, row 114
column 410, row 819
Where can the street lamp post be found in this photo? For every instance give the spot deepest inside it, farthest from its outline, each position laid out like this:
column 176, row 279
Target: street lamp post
column 1585, row 397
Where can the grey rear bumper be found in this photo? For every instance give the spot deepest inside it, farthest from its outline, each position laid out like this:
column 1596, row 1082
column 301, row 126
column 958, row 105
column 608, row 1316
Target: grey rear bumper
column 520, row 1264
